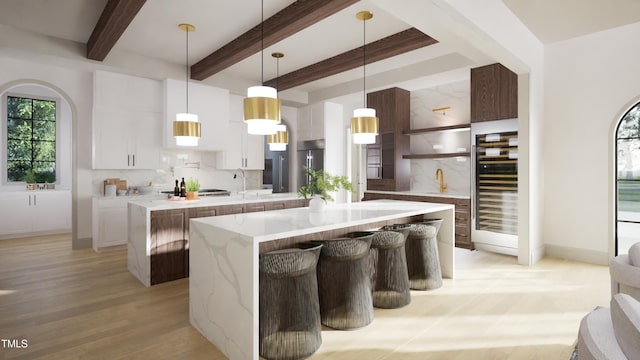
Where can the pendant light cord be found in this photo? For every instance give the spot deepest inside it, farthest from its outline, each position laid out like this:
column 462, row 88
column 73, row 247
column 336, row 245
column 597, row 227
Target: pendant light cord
column 187, row 68
column 364, row 62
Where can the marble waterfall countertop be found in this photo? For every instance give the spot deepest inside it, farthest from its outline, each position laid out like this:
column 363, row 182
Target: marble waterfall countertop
column 272, row 225
column 224, row 252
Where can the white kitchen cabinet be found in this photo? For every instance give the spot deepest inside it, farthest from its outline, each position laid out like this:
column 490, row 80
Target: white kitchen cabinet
column 51, row 211
column 211, row 104
column 37, row 212
column 242, row 150
column 110, row 222
column 311, row 121
column 126, row 139
column 15, row 213
column 127, row 122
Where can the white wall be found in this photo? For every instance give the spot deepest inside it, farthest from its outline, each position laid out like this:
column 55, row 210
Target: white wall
column 589, row 83
column 335, row 144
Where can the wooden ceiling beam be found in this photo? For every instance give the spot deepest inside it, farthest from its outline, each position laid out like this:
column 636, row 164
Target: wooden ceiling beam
column 114, row 20
column 396, row 44
column 290, row 20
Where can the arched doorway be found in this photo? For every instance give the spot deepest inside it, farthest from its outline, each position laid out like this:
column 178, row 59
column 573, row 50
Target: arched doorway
column 628, row 180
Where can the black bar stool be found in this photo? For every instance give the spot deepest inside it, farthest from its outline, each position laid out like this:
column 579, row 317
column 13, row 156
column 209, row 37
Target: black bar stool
column 343, row 282
column 289, row 310
column 423, row 260
column 401, row 228
column 390, row 281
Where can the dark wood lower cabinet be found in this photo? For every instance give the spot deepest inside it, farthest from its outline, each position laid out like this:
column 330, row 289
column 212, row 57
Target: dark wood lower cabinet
column 168, row 246
column 462, row 213
column 255, row 207
column 230, row 209
column 170, row 234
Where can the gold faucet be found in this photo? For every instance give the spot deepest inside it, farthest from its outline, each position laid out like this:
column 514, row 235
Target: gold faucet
column 440, row 175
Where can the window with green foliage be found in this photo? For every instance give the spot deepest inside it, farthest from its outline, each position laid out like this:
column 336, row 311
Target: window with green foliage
column 31, row 139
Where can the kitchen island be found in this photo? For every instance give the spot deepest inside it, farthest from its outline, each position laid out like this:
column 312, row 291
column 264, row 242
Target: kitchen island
column 224, row 286
column 158, row 230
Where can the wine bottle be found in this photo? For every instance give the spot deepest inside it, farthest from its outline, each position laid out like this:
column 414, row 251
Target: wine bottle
column 176, row 190
column 183, row 189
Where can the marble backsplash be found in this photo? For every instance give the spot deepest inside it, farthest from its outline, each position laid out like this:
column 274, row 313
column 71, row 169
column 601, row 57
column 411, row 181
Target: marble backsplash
column 456, row 96
column 175, row 165
column 457, row 175
column 457, row 170
column 440, row 142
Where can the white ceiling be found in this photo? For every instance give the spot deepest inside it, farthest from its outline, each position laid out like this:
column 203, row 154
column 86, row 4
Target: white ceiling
column 557, row 20
column 154, row 32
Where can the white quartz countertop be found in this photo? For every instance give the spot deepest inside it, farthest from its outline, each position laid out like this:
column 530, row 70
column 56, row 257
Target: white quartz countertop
column 417, row 193
column 278, row 224
column 166, row 204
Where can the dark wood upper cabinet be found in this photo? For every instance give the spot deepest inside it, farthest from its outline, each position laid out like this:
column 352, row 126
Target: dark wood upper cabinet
column 386, row 169
column 494, row 93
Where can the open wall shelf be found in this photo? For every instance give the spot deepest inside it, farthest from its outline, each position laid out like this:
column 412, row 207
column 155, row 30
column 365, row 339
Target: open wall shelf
column 461, row 127
column 436, row 156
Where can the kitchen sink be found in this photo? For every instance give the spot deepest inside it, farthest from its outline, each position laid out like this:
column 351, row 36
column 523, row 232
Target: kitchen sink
column 213, row 192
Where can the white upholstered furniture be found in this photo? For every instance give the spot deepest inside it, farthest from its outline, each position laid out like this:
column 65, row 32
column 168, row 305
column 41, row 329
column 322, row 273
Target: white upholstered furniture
column 611, row 333
column 625, row 273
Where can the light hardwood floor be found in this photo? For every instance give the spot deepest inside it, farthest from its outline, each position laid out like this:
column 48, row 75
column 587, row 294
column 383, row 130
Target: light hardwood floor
column 85, row 305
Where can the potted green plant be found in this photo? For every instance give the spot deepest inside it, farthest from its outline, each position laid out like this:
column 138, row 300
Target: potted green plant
column 30, row 179
column 192, row 186
column 321, row 185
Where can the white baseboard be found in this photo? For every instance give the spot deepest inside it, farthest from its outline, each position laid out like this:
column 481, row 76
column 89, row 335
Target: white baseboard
column 496, row 248
column 82, row 243
column 34, row 234
column 577, row 254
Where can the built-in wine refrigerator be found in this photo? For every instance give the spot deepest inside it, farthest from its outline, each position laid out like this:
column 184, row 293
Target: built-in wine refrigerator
column 495, row 209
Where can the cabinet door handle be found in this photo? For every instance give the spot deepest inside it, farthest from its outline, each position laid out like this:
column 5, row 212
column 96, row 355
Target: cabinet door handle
column 134, row 159
column 128, row 160
column 280, row 173
column 35, row 201
column 29, row 199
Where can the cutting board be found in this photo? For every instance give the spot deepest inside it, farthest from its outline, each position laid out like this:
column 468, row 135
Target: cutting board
column 120, row 184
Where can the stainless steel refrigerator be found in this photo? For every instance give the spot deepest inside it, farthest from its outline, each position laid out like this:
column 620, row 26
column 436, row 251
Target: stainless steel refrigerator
column 276, row 170
column 495, row 186
column 310, row 155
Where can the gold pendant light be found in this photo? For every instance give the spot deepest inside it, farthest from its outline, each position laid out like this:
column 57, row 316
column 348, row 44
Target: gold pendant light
column 279, row 140
column 262, row 106
column 186, row 128
column 364, row 123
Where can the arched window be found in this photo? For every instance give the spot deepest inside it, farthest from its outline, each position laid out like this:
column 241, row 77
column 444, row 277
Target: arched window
column 35, row 136
column 628, row 180
column 31, row 139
